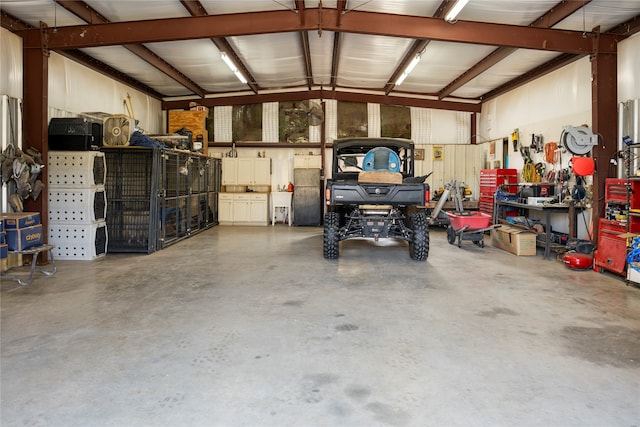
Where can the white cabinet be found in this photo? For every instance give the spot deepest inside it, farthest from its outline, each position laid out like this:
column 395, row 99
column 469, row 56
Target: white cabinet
column 229, row 167
column 225, row 208
column 307, row 162
column 246, row 171
column 259, row 210
column 262, row 172
column 243, row 208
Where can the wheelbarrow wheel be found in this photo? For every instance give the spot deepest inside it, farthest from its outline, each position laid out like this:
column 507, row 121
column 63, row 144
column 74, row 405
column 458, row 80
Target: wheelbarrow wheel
column 451, row 235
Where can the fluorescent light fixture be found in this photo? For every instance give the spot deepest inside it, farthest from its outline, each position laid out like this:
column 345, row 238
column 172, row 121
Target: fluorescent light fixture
column 407, row 70
column 233, row 67
column 455, row 10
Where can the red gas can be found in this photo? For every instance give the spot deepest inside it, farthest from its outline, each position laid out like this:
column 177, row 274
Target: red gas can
column 578, row 261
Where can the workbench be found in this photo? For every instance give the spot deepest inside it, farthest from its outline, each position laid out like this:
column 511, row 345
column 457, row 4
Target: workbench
column 547, row 209
column 34, row 252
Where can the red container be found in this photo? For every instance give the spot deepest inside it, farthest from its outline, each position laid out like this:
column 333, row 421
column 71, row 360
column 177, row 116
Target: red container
column 475, row 220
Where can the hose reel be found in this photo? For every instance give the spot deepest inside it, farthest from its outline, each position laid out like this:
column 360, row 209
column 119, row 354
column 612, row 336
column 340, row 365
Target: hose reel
column 578, row 140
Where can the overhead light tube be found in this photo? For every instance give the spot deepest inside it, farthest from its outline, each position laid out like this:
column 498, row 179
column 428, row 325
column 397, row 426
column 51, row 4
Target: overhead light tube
column 407, row 70
column 455, row 10
column 233, row 67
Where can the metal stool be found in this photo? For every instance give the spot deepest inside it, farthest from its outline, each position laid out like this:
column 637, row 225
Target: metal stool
column 32, row 268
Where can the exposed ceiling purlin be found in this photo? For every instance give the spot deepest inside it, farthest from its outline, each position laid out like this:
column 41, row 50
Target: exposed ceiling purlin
column 417, row 47
column 541, row 70
column 304, row 44
column 337, row 39
column 88, row 14
column 14, row 24
column 195, row 8
column 626, row 29
column 552, row 17
column 102, row 68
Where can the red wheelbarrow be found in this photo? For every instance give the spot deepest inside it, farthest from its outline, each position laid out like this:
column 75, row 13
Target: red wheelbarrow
column 468, row 226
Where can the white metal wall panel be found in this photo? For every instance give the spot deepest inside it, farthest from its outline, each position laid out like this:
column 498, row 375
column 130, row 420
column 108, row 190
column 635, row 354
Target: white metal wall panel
column 10, row 64
column 75, row 88
column 373, row 111
column 629, row 68
column 270, row 122
column 331, row 119
column 420, row 125
column 222, row 119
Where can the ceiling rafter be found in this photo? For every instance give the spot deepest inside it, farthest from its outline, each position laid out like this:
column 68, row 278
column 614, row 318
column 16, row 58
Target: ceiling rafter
column 626, row 29
column 195, row 8
column 91, row 16
column 304, row 44
column 384, row 24
column 14, row 24
column 337, row 42
column 550, row 18
column 417, row 47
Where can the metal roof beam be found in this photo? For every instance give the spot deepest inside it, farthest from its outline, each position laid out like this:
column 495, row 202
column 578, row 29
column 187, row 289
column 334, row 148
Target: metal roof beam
column 548, row 20
column 324, row 94
column 238, row 24
column 417, row 47
column 88, row 14
column 304, row 44
column 195, row 8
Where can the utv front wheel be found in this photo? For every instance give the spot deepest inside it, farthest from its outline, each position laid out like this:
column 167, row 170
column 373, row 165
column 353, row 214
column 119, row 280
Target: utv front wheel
column 331, row 238
column 419, row 245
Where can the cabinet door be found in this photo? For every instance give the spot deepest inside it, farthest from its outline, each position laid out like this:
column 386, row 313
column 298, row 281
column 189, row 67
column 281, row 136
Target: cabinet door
column 262, row 172
column 229, row 167
column 245, row 171
column 241, row 208
column 225, row 207
column 259, row 208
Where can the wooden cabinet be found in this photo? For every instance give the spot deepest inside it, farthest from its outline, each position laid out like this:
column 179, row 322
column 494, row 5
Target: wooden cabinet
column 246, row 171
column 243, row 208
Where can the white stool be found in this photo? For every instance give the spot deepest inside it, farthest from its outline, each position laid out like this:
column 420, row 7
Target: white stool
column 280, row 199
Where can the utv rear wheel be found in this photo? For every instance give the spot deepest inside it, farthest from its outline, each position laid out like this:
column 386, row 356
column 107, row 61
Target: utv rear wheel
column 419, row 246
column 331, row 238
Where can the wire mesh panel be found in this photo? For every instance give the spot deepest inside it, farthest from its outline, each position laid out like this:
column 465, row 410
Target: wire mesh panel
column 132, row 198
column 175, row 173
column 174, row 222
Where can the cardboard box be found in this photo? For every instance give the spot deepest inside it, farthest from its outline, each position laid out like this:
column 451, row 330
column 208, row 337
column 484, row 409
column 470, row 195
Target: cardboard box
column 515, row 240
column 15, row 220
column 24, row 238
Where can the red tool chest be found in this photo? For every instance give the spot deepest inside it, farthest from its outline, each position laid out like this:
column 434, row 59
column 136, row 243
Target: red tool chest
column 622, row 215
column 490, row 181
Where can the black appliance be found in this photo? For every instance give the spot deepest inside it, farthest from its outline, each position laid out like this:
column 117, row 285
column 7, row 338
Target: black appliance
column 74, row 134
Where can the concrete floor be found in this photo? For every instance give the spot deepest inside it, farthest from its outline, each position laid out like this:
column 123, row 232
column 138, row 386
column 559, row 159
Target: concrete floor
column 250, row 326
